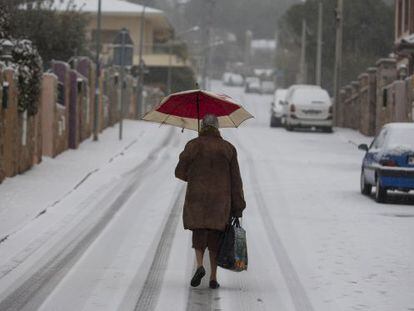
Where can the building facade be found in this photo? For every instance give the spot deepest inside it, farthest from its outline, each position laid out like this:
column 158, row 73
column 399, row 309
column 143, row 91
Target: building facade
column 404, row 35
column 118, row 14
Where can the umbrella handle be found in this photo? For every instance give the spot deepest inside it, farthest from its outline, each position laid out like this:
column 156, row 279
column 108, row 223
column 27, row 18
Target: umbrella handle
column 198, row 112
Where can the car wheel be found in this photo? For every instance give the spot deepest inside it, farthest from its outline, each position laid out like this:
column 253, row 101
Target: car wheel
column 327, row 129
column 365, row 188
column 380, row 192
column 275, row 122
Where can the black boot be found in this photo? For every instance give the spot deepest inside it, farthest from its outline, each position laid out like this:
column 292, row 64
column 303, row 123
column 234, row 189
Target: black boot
column 198, row 275
column 214, row 284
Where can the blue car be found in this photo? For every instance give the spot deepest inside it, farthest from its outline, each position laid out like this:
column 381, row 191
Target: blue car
column 389, row 161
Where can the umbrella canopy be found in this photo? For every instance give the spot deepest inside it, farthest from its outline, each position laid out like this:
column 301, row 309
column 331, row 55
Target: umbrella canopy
column 186, row 109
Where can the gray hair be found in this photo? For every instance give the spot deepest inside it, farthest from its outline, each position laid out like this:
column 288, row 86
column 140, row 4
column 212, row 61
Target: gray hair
column 210, row 120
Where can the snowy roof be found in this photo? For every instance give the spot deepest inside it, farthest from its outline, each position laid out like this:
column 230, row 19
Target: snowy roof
column 121, row 7
column 400, row 125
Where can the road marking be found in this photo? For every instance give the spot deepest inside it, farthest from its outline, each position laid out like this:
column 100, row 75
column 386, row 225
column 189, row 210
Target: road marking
column 152, row 286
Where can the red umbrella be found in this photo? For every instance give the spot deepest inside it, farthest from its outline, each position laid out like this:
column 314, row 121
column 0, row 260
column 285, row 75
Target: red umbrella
column 186, row 109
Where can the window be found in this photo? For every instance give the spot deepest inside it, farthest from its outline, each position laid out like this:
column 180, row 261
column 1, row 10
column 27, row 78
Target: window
column 384, row 98
column 107, row 36
column 379, row 141
column 61, row 94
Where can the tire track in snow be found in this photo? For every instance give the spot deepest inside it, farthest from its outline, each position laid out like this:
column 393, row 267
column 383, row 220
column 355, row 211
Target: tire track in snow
column 31, row 293
column 296, row 289
column 152, row 286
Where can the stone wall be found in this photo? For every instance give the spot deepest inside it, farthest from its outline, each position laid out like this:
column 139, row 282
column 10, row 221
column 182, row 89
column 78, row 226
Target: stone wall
column 9, row 115
column 379, row 96
column 386, row 74
column 20, row 134
column 2, row 125
column 66, row 112
column 54, row 118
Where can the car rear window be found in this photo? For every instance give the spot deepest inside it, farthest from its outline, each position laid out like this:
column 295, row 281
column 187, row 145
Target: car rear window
column 400, row 138
column 311, row 95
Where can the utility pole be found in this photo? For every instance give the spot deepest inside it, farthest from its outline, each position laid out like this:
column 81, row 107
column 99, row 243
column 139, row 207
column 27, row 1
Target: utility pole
column 247, row 50
column 338, row 55
column 171, row 43
column 140, row 86
column 302, row 71
column 318, row 78
column 124, row 33
column 98, row 73
column 208, row 23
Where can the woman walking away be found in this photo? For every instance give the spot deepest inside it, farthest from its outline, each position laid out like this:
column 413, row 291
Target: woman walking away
column 214, row 192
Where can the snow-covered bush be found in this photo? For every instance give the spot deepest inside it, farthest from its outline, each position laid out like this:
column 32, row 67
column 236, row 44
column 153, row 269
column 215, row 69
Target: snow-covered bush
column 26, row 61
column 29, row 67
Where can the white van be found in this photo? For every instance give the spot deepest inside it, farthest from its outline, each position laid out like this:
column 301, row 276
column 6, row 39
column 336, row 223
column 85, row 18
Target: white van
column 308, row 106
column 279, row 108
column 232, row 79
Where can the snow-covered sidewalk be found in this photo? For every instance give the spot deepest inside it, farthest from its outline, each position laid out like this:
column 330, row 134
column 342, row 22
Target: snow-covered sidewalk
column 26, row 196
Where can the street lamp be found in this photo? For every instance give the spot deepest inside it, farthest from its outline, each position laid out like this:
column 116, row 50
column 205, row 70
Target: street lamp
column 170, row 45
column 141, row 64
column 6, row 50
column 122, row 38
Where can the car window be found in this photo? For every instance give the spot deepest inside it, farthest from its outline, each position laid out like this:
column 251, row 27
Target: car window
column 378, row 143
column 400, row 138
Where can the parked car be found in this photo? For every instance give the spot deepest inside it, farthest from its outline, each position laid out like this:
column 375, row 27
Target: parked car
column 389, row 161
column 268, row 87
column 308, row 106
column 278, row 108
column 232, row 79
column 253, row 85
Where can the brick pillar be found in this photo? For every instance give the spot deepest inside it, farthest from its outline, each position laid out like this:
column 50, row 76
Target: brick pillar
column 386, row 74
column 355, row 105
column 340, row 108
column 364, row 103
column 2, row 172
column 347, row 106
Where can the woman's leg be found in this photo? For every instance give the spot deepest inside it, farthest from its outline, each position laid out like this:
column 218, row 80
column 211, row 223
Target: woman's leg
column 200, row 272
column 199, row 257
column 213, row 264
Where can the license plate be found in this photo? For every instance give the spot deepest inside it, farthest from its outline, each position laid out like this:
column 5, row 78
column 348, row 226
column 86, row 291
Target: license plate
column 411, row 160
column 311, row 111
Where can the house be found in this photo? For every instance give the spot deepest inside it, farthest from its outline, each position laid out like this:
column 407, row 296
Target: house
column 404, row 34
column 118, row 14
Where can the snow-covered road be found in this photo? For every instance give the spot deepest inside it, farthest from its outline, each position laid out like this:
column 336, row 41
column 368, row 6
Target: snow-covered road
column 115, row 241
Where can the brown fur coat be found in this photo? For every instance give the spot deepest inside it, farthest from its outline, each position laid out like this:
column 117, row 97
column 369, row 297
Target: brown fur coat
column 214, row 191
